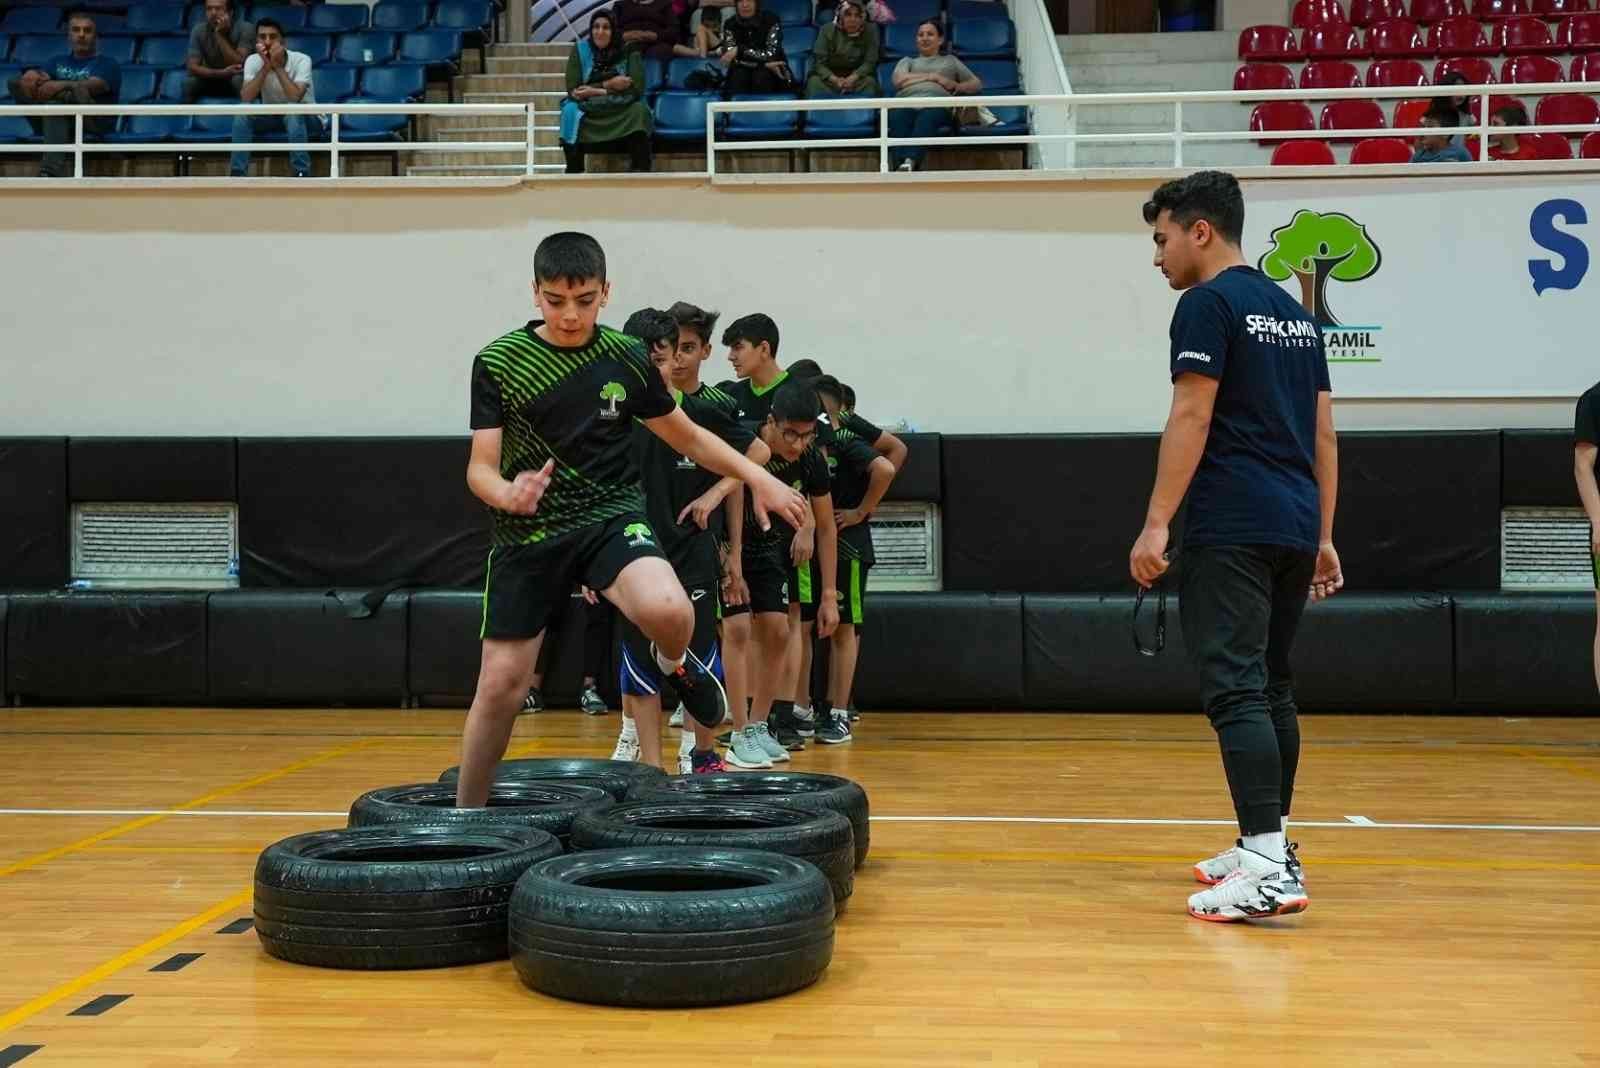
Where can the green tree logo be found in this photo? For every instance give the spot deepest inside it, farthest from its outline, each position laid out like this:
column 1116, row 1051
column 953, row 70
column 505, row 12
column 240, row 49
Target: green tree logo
column 1314, row 248
column 611, row 393
column 639, row 533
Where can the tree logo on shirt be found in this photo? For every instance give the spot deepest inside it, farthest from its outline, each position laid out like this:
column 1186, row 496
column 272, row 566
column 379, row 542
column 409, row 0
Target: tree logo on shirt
column 611, row 393
column 1316, row 248
column 638, row 535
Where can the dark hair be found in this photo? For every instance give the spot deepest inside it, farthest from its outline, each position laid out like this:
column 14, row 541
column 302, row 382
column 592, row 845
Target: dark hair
column 1210, row 195
column 568, row 256
column 804, row 369
column 1512, row 115
column 795, row 402
column 938, row 29
column 80, row 13
column 847, row 397
column 755, row 329
column 1446, row 116
column 269, row 23
column 702, row 322
column 1447, row 103
column 652, row 326
column 828, row 386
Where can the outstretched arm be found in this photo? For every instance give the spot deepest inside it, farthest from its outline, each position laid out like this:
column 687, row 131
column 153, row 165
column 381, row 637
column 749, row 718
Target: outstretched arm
column 767, row 494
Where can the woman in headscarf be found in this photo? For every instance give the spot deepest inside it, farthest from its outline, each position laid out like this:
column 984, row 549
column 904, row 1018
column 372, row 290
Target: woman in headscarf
column 753, row 52
column 845, row 60
column 604, row 104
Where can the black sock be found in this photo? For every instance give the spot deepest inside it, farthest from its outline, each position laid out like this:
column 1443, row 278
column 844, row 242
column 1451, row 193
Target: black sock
column 782, row 712
column 824, row 710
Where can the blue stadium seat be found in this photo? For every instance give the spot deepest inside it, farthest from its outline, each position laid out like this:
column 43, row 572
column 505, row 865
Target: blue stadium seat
column 138, row 129
column 915, row 11
column 679, row 70
column 399, row 16
column 433, row 47
column 154, row 20
column 334, row 83
column 164, row 53
column 336, row 18
column 997, row 75
column 7, row 72
column 974, row 9
column 193, row 15
column 1012, row 121
column 899, row 40
column 655, row 75
column 799, row 41
column 394, row 81
column 463, row 15
column 207, row 129
column 119, row 49
column 984, row 38
column 138, row 86
column 763, row 125
column 682, row 116
column 851, row 122
column 319, row 46
column 790, row 12
column 36, row 50
column 110, row 22
column 354, row 47
column 372, row 127
column 5, row 46
column 24, row 20
column 14, row 130
column 800, row 66
column 291, row 17
column 172, row 87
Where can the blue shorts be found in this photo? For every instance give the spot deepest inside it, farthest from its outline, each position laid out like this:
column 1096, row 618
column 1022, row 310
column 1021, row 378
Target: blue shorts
column 641, row 677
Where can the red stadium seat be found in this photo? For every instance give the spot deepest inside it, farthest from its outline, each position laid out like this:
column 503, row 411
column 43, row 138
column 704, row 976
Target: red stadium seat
column 1579, row 33
column 1268, row 42
column 1429, row 11
column 1524, row 35
column 1590, row 149
column 1459, row 37
column 1498, row 9
column 1393, row 73
column 1496, row 102
column 1369, row 12
column 1475, row 69
column 1567, row 109
column 1408, row 114
column 1263, row 76
column 1333, row 42
column 1310, row 14
column 1281, row 115
column 1530, row 70
column 1381, row 150
column 1330, row 74
column 1303, row 154
column 1552, row 145
column 1555, row 9
column 1586, row 68
column 1354, row 115
column 1397, row 39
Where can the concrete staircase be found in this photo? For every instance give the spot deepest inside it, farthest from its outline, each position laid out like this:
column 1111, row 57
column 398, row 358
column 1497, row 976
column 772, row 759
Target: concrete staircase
column 1154, row 63
column 516, row 74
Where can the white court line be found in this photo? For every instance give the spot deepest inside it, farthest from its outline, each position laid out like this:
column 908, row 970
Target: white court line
column 1082, row 821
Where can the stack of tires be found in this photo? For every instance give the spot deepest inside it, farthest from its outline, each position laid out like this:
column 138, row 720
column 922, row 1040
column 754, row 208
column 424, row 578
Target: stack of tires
column 604, row 881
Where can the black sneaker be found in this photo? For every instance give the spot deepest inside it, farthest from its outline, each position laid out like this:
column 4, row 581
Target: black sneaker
column 835, row 730
column 698, row 689
column 855, row 714
column 783, row 730
column 534, row 702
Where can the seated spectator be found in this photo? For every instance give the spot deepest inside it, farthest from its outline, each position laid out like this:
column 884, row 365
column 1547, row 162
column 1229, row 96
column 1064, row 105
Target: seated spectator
column 752, row 52
column 1440, row 148
column 1461, row 105
column 1511, row 146
column 604, row 105
column 218, row 47
column 275, row 75
column 928, row 73
column 845, row 60
column 708, row 38
column 648, row 27
column 82, row 76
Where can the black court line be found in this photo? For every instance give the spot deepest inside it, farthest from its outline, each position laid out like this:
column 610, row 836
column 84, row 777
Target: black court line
column 100, row 1005
column 177, row 962
column 237, row 927
column 12, row 1054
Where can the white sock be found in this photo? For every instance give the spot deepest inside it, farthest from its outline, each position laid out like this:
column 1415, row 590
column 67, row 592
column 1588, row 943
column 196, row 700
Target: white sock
column 686, row 742
column 803, row 711
column 630, row 731
column 668, row 667
column 1286, row 827
column 1269, row 845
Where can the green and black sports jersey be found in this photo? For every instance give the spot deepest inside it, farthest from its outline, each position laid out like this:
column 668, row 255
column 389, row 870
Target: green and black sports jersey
column 808, row 476
column 576, row 406
column 861, row 428
column 850, row 464
column 672, row 480
column 752, row 403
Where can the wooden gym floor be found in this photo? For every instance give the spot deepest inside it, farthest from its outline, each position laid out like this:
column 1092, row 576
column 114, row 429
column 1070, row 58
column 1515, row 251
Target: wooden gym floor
column 1014, row 910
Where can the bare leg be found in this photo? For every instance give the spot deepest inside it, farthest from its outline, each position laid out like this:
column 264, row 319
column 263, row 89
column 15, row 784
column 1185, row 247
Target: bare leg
column 503, row 679
column 649, row 594
column 646, row 713
column 842, row 668
column 771, row 650
column 802, row 678
column 790, row 686
column 736, row 666
column 1597, row 639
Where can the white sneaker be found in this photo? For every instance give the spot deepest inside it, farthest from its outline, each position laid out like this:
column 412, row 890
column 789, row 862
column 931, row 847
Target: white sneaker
column 746, row 751
column 627, row 748
column 1256, row 890
column 676, row 719
column 906, row 165
column 769, row 745
column 1213, row 870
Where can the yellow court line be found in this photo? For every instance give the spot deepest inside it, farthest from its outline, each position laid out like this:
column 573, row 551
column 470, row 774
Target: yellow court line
column 116, row 964
column 1052, row 857
column 174, row 849
column 215, row 795
column 1558, row 762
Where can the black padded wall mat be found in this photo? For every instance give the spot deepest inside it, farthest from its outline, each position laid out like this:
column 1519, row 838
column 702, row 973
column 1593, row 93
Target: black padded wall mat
column 1078, row 654
column 34, row 547
column 4, row 688
column 921, row 479
column 1528, row 654
column 1361, row 652
column 1042, row 513
column 106, row 646
column 151, row 469
column 941, row 650
column 359, row 512
column 305, row 645
column 1536, row 469
column 1420, row 511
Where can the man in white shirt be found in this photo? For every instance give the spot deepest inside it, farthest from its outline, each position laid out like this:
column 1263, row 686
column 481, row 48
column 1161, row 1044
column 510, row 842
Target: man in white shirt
column 275, row 75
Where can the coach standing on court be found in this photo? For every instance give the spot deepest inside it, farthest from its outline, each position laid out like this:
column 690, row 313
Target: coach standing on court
column 1586, row 437
column 1250, row 439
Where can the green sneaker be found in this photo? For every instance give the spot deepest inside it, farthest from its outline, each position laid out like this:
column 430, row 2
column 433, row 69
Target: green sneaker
column 769, row 745
column 746, row 750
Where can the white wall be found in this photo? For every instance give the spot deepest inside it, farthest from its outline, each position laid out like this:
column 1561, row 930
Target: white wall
column 1005, row 307
column 1237, row 14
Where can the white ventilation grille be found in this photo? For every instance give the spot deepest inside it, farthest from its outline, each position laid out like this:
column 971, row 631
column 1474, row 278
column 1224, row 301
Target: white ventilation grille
column 135, row 546
column 1545, row 549
column 905, row 540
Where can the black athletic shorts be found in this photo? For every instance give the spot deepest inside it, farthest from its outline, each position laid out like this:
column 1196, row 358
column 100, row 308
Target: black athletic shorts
column 640, row 675
column 851, row 588
column 767, row 573
column 523, row 584
column 805, row 587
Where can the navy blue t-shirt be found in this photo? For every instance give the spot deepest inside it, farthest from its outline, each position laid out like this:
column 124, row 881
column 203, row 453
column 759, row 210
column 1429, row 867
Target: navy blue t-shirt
column 70, row 68
column 1256, row 484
